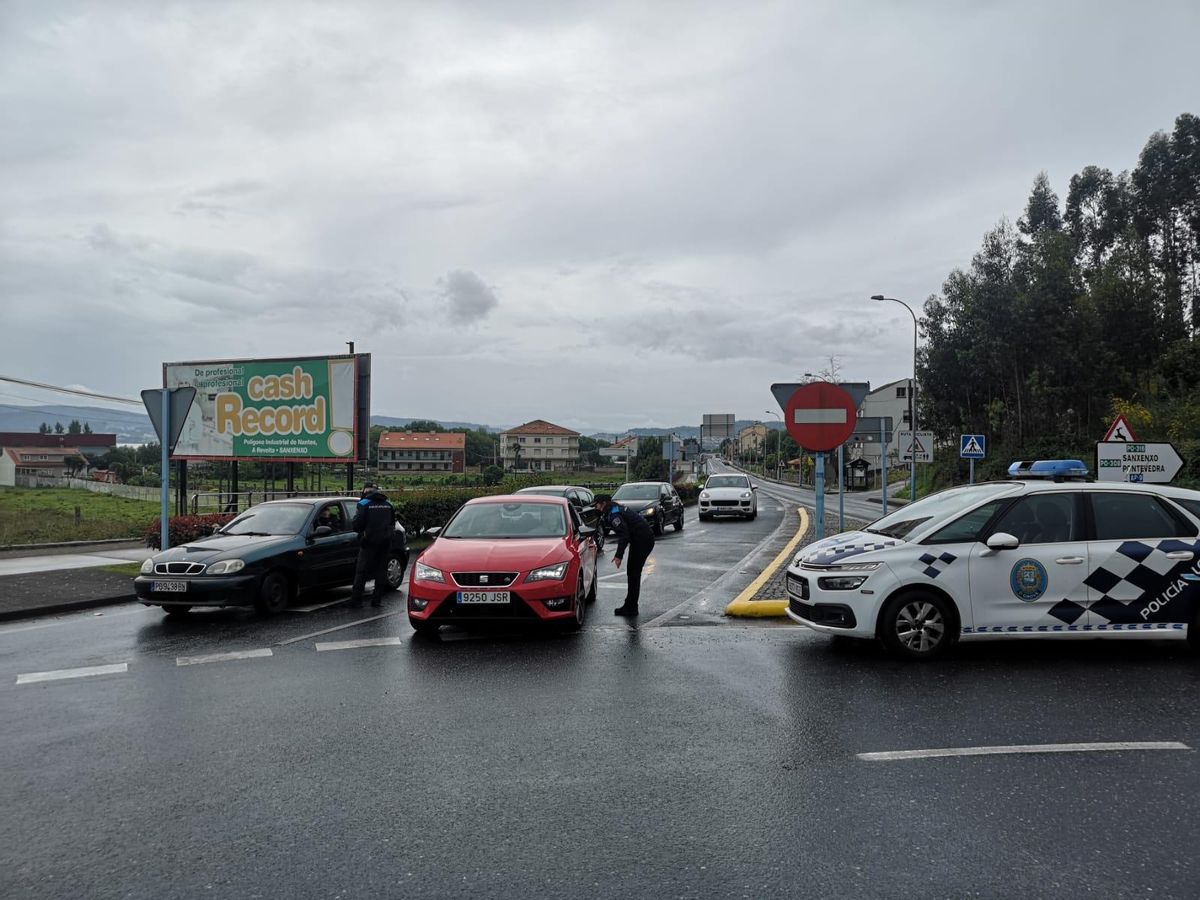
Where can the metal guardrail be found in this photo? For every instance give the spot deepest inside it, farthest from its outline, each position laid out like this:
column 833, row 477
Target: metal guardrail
column 205, row 502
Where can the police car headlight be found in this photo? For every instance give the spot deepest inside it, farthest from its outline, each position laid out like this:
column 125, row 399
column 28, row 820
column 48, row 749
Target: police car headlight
column 148, row 567
column 428, row 573
column 226, row 567
column 841, row 582
column 858, row 567
column 549, row 573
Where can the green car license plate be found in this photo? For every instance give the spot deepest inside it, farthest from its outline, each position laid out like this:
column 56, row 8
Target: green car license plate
column 170, row 587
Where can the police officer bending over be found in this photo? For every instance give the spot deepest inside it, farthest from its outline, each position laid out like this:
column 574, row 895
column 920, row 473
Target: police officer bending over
column 633, row 532
column 374, row 521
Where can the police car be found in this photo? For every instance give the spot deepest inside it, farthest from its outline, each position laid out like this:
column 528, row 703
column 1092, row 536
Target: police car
column 1044, row 555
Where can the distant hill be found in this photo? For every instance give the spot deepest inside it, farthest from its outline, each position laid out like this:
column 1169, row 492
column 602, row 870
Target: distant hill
column 132, row 426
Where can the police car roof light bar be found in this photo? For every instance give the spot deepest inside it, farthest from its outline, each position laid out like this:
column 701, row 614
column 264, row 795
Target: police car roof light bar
column 1057, row 470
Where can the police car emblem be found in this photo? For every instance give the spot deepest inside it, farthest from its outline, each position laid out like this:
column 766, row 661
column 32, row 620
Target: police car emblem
column 1028, row 580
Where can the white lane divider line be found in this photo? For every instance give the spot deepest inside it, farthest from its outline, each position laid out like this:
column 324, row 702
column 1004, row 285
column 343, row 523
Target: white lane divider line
column 83, row 672
column 313, row 607
column 305, row 637
column 361, row 642
column 1100, row 746
column 223, row 657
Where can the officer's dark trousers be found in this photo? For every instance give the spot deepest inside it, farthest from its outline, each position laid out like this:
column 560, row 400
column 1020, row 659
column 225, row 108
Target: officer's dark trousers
column 638, row 551
column 372, row 563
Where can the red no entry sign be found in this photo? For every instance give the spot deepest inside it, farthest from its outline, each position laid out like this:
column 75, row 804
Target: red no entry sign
column 820, row 416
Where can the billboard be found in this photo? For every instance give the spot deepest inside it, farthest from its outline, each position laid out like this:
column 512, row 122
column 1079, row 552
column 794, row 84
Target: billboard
column 306, row 409
column 717, row 427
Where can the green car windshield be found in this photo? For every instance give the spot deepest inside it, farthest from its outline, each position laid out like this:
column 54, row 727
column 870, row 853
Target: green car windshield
column 284, row 518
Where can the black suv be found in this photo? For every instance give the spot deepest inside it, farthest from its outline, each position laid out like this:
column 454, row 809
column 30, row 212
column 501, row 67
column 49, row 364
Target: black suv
column 657, row 501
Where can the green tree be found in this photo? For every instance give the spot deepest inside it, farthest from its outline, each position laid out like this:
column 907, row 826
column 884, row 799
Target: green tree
column 58, row 429
column 649, row 465
column 75, row 427
column 43, row 428
column 87, row 429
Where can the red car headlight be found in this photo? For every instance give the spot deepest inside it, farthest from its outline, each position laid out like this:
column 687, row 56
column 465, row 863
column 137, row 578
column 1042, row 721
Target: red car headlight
column 556, row 572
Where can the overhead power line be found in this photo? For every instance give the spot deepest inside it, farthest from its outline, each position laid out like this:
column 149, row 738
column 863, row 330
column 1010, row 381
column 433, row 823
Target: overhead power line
column 73, row 391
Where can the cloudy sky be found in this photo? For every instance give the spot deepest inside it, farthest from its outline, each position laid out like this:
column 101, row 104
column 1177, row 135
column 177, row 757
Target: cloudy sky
column 604, row 214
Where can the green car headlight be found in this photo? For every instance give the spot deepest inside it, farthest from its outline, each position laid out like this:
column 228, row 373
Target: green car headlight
column 226, row 567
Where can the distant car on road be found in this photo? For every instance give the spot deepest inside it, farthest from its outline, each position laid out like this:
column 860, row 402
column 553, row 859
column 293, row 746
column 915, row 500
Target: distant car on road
column 729, row 495
column 657, row 501
column 516, row 558
column 579, row 497
column 264, row 558
column 1021, row 558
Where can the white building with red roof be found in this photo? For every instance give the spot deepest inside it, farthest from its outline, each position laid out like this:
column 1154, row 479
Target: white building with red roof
column 540, row 446
column 422, row 451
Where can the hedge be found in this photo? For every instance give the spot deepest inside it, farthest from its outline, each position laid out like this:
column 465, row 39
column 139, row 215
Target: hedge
column 182, row 529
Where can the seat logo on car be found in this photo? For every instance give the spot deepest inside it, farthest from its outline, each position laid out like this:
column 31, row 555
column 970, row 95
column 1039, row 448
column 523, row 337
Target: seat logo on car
column 1028, row 580
column 483, row 579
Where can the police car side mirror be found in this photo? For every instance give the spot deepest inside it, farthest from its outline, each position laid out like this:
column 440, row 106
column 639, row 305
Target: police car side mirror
column 1002, row 541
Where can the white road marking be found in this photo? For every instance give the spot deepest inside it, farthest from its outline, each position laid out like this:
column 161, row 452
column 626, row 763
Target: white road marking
column 24, row 565
column 701, row 531
column 362, row 642
column 222, row 657
column 305, row 637
column 613, row 575
column 891, row 755
column 84, row 672
column 315, row 606
column 614, row 587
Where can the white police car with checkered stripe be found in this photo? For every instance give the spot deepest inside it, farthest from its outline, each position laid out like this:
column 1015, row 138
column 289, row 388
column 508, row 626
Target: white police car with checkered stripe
column 1019, row 558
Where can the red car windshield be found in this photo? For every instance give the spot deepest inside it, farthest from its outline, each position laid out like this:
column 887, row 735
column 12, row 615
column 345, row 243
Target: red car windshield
column 507, row 520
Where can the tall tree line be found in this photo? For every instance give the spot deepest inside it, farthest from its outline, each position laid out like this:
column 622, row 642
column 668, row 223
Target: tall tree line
column 1081, row 310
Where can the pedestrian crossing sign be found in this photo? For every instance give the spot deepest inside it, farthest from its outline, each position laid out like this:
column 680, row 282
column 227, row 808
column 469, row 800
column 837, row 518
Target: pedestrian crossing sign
column 972, row 446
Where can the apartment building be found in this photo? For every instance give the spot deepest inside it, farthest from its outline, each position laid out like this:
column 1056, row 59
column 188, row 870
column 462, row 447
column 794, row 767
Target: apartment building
column 416, row 451
column 540, row 446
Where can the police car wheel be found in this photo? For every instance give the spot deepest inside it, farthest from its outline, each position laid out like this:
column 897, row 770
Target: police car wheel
column 916, row 625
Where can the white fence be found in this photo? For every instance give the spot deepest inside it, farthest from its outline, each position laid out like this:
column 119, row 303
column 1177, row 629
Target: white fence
column 131, row 491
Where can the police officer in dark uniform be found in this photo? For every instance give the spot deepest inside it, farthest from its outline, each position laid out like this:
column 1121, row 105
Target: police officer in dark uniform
column 374, row 521
column 634, row 532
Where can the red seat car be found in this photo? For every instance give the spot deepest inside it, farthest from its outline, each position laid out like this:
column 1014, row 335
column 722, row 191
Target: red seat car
column 522, row 558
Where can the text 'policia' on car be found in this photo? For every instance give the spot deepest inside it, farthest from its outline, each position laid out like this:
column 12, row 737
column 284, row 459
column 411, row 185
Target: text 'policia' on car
column 1044, row 555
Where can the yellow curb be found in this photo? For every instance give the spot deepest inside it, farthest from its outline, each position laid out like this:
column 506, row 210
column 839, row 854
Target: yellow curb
column 743, row 605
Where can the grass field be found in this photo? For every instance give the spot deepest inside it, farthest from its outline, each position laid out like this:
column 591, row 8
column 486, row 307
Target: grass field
column 46, row 515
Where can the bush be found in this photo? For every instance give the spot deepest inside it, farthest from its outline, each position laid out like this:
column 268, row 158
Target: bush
column 181, row 529
column 688, row 493
column 493, row 475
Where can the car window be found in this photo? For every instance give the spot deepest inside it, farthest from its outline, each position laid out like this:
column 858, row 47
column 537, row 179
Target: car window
column 506, row 520
column 636, row 492
column 282, row 518
column 576, row 522
column 573, row 498
column 332, row 516
column 1042, row 519
column 1122, row 517
column 587, row 498
column 937, row 508
column 968, row 527
column 1192, row 506
column 665, row 494
column 727, row 481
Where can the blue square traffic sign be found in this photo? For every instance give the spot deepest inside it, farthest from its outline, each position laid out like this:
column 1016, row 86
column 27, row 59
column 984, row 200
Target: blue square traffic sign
column 972, row 446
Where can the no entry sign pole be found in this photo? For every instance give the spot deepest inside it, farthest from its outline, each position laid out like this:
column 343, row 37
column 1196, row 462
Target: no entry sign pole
column 819, row 489
column 841, row 488
column 883, row 455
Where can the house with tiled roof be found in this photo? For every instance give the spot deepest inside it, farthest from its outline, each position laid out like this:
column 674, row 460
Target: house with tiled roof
column 422, row 451
column 540, row 446
column 20, row 464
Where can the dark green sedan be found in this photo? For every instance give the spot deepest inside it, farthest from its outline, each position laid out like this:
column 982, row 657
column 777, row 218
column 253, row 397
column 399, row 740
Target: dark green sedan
column 264, row 558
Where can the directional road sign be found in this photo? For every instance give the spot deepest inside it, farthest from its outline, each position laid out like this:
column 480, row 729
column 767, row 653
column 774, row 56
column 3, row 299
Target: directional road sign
column 920, row 448
column 181, row 403
column 1127, row 461
column 972, row 446
column 1119, row 430
column 820, row 416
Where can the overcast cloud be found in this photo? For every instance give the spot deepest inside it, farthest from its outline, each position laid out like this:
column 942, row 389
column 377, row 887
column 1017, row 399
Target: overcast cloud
column 603, row 214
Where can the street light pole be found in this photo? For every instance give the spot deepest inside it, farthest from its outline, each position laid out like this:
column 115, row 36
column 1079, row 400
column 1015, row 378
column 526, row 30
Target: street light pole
column 778, row 442
column 912, row 392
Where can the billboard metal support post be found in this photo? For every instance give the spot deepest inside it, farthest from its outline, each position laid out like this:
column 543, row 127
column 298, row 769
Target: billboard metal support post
column 819, row 487
column 164, row 512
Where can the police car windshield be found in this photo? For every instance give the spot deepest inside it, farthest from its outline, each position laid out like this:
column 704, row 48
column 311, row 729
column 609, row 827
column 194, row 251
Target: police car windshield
column 286, row 518
column 727, row 481
column 936, row 508
column 636, row 492
column 507, row 520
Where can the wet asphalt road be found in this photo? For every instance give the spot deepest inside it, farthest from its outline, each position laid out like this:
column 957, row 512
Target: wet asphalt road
column 694, row 757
